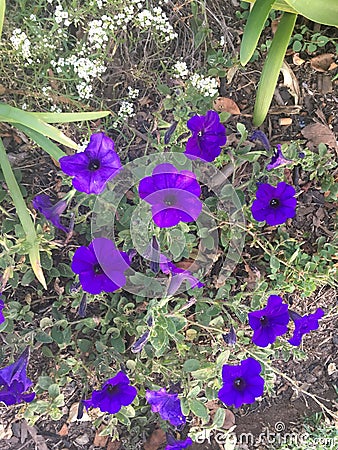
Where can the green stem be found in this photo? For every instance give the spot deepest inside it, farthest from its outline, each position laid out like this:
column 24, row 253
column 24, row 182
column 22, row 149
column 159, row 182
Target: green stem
column 23, row 214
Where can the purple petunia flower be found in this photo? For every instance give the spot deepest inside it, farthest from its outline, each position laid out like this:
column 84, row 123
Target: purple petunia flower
column 173, row 195
column 274, row 204
column 178, row 276
column 269, row 322
column 14, row 381
column 94, row 167
column 115, row 393
column 174, row 444
column 100, row 266
column 167, row 405
column 208, row 136
column 230, row 338
column 278, row 159
column 241, row 383
column 141, row 342
column 259, row 135
column 43, row 204
column 2, row 305
column 304, row 325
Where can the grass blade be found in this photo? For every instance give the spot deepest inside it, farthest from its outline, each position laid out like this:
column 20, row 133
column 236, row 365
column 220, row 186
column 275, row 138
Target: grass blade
column 70, row 117
column 48, row 146
column 253, row 28
column 2, row 14
column 15, row 115
column 23, row 214
column 272, row 67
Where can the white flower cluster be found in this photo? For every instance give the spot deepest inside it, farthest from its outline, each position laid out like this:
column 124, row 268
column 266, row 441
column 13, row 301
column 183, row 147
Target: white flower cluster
column 133, row 93
column 181, row 70
column 61, row 16
column 21, row 44
column 97, row 35
column 158, row 20
column 126, row 110
column 207, row 86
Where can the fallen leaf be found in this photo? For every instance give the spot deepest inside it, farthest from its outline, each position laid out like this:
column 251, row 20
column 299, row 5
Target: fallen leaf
column 73, row 410
column 324, row 62
column 63, row 430
column 224, row 104
column 100, row 441
column 290, row 81
column 5, row 433
column 229, row 420
column 318, row 133
column 156, row 439
column 331, row 369
column 297, row 60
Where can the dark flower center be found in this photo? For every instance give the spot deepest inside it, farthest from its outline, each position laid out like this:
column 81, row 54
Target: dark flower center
column 264, row 321
column 94, row 164
column 112, row 389
column 274, row 202
column 170, row 200
column 97, row 269
column 239, row 384
column 200, row 133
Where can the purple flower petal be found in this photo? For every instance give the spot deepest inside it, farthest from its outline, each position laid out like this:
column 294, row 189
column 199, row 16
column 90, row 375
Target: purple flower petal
column 274, row 204
column 115, row 393
column 167, row 405
column 208, row 136
column 241, row 383
column 2, row 305
column 174, row 444
column 278, row 159
column 94, row 167
column 304, row 325
column 43, row 204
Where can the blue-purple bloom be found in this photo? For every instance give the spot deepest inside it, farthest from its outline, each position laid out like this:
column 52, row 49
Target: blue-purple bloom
column 100, row 266
column 43, row 204
column 259, row 135
column 167, row 405
column 174, row 444
column 269, row 322
column 241, row 383
column 178, row 276
column 93, row 167
column 173, row 195
column 274, row 204
column 14, row 382
column 2, row 305
column 208, row 136
column 115, row 393
column 278, row 159
column 141, row 342
column 304, row 325
column 230, row 338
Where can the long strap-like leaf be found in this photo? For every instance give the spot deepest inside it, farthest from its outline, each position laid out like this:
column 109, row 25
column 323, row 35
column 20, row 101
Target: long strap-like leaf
column 253, row 28
column 2, row 14
column 23, row 214
column 272, row 67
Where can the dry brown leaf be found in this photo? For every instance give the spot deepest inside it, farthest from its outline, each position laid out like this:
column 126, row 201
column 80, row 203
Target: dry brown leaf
column 224, row 104
column 156, row 439
column 318, row 133
column 229, row 420
column 63, row 430
column 324, row 62
column 100, row 441
column 290, row 81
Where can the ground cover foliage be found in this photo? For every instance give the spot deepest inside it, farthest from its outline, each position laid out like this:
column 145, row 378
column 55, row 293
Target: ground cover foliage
column 183, row 318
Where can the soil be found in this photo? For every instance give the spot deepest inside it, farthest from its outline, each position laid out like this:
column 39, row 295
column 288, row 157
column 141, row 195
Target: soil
column 290, row 404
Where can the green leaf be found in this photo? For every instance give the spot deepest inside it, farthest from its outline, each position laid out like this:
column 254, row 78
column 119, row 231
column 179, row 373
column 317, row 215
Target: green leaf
column 320, row 11
column 15, row 115
column 70, row 117
column 44, row 382
column 27, row 278
column 191, row 365
column 272, row 67
column 23, row 214
column 54, row 390
column 253, row 29
column 42, row 141
column 199, row 409
column 2, row 14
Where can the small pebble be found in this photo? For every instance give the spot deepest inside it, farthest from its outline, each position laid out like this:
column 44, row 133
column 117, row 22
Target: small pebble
column 82, row 440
